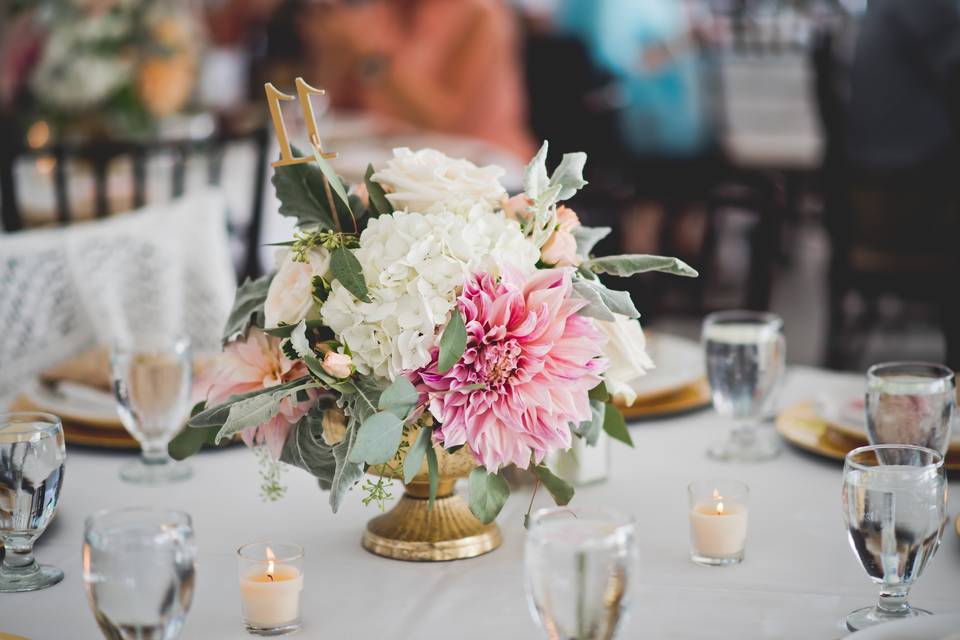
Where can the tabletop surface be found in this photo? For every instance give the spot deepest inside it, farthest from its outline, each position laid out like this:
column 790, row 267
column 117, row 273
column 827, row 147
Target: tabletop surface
column 799, row 578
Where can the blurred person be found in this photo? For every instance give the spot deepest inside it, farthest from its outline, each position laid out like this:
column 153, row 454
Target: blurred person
column 441, row 65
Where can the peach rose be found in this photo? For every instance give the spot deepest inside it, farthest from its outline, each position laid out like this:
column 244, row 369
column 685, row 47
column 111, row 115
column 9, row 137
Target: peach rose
column 515, row 207
column 561, row 249
column 290, row 296
column 338, row 365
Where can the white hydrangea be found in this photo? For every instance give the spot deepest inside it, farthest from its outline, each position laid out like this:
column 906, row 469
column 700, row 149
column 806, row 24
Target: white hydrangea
column 429, row 181
column 414, row 265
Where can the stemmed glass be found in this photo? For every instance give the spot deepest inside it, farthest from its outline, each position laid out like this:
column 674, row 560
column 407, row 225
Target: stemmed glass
column 578, row 568
column 746, row 359
column 151, row 383
column 32, row 456
column 138, row 572
column 894, row 507
column 911, row 403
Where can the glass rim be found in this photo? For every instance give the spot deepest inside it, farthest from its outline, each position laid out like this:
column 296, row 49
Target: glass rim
column 744, row 315
column 272, row 544
column 43, row 422
column 134, row 344
column 743, row 489
column 621, row 522
column 848, row 460
column 945, row 372
column 185, row 520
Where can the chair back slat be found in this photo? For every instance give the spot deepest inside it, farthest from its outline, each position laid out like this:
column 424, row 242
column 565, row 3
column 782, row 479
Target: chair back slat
column 102, row 206
column 138, row 170
column 179, row 170
column 60, row 185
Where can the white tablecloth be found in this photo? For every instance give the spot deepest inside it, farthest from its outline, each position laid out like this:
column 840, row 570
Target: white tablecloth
column 798, row 580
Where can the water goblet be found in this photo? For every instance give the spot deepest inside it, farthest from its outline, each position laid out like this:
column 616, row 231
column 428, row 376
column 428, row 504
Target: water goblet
column 151, row 384
column 578, row 565
column 894, row 507
column 746, row 359
column 911, row 403
column 32, row 456
column 138, row 572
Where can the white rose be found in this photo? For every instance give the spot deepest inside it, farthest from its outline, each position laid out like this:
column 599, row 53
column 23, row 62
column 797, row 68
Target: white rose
column 626, row 350
column 422, row 180
column 290, row 296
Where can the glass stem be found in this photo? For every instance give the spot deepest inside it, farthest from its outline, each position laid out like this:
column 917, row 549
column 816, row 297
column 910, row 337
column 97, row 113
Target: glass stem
column 154, row 454
column 18, row 559
column 893, row 599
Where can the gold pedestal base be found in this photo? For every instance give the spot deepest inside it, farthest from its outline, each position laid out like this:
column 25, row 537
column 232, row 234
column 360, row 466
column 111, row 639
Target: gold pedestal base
column 411, row 531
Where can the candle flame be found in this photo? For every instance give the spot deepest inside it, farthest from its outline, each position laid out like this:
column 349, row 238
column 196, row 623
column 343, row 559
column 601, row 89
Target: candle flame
column 271, row 563
column 719, row 508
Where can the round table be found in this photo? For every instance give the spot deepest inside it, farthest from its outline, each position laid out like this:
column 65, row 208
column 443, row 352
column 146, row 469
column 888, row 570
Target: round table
column 799, row 578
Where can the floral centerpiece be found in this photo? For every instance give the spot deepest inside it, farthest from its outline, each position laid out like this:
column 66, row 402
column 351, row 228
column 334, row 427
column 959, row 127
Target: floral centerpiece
column 425, row 312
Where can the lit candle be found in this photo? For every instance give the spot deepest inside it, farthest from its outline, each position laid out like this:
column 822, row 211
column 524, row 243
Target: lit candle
column 270, row 586
column 718, row 521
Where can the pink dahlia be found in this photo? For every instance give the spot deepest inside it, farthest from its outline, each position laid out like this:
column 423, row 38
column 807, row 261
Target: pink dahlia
column 259, row 363
column 536, row 359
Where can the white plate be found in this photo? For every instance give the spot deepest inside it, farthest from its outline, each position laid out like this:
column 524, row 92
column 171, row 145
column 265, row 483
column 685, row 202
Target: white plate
column 679, row 363
column 935, row 627
column 74, row 402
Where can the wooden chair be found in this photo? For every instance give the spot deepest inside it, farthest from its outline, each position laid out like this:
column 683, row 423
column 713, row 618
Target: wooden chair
column 98, row 156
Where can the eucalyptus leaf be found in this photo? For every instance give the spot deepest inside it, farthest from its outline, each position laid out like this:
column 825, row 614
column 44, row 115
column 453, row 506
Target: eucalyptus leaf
column 488, row 494
column 377, row 198
column 416, row 453
column 247, row 303
column 452, row 342
column 399, row 398
column 587, row 238
column 433, row 473
column 599, row 392
column 347, row 269
column 561, row 490
column 604, row 302
column 378, row 439
column 615, row 426
column 190, row 440
column 632, row 264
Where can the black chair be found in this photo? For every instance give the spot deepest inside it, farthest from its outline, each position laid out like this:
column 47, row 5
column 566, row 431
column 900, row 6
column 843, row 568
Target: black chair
column 98, row 155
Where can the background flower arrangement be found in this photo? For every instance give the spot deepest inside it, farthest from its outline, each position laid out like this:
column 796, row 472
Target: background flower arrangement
column 422, row 309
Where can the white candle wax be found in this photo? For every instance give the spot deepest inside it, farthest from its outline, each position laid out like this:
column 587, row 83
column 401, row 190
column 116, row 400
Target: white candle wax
column 718, row 529
column 271, row 599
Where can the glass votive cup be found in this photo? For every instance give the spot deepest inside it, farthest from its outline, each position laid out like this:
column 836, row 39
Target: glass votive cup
column 271, row 580
column 718, row 521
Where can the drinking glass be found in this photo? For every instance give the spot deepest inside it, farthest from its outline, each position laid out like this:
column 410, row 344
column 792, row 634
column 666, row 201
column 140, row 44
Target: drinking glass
column 138, row 572
column 746, row 358
column 894, row 506
column 32, row 457
column 578, row 565
column 911, row 403
column 151, row 383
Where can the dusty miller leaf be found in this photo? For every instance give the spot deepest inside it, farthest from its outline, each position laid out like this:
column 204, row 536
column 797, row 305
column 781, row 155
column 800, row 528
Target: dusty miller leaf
column 247, row 303
column 632, row 264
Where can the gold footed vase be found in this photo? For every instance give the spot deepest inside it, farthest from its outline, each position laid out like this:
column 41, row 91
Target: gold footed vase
column 412, row 531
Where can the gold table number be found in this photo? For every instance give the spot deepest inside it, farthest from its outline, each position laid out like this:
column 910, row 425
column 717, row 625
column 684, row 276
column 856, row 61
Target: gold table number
column 304, row 91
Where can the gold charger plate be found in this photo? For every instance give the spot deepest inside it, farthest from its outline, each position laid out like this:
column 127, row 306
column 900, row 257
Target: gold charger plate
column 83, row 434
column 683, row 400
column 800, row 426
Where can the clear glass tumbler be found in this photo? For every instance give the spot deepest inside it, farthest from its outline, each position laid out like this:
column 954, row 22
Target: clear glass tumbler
column 911, row 403
column 138, row 571
column 32, row 457
column 271, row 581
column 151, row 383
column 894, row 507
column 578, row 565
column 746, row 360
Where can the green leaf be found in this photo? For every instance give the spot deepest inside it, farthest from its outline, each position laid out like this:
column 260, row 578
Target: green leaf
column 306, row 449
column 217, row 416
column 379, row 203
column 346, row 268
column 415, row 454
column 599, row 392
column 399, row 398
column 299, row 188
column 190, row 440
column 378, row 439
column 535, row 177
column 587, row 238
column 631, row 264
column 452, row 342
column 488, row 494
column 248, row 413
column 569, row 175
column 246, row 304
column 434, row 476
column 615, row 426
column 589, row 430
column 604, row 302
column 284, row 330
column 332, row 178
column 561, row 490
